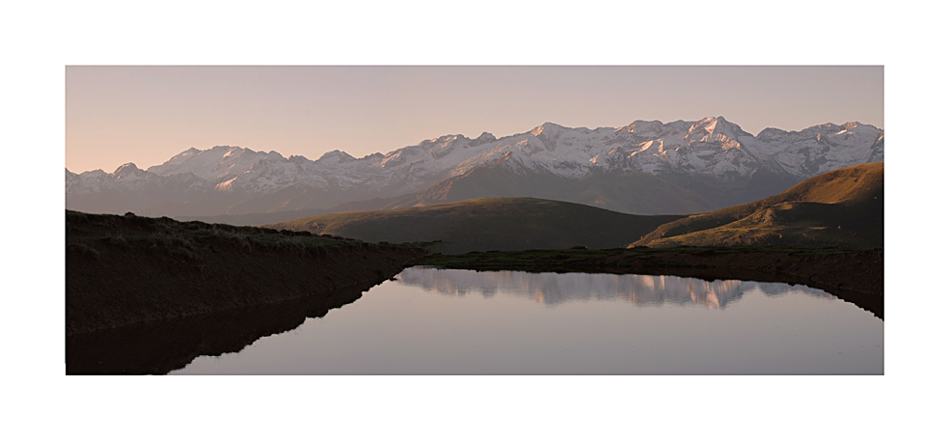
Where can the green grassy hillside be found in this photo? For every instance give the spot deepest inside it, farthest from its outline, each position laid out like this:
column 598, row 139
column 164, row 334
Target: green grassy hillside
column 488, row 224
column 842, row 207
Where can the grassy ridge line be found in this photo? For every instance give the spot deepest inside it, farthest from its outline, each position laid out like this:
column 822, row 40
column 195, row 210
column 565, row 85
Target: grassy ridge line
column 843, row 207
column 123, row 270
column 488, row 223
column 854, row 275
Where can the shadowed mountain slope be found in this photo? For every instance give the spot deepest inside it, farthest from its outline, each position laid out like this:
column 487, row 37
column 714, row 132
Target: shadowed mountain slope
column 630, row 192
column 843, row 207
column 488, row 224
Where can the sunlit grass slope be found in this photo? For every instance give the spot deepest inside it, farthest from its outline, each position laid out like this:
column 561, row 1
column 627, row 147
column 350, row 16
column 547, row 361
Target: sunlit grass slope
column 843, row 207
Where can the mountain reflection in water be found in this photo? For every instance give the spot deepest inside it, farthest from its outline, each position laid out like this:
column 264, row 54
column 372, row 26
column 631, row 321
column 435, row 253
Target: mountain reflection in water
column 553, row 289
column 588, row 327
column 492, row 323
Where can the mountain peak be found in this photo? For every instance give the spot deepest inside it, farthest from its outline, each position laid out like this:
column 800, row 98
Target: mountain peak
column 859, row 127
column 442, row 139
column 771, row 132
column 641, row 127
column 126, row 171
column 713, row 121
column 182, row 156
column 714, row 128
column 273, row 155
column 822, row 127
column 485, row 136
column 220, row 161
column 336, row 157
column 127, row 168
column 549, row 127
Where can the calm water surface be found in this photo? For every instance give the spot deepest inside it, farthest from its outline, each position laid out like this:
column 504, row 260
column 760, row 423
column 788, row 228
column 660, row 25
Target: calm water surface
column 432, row 321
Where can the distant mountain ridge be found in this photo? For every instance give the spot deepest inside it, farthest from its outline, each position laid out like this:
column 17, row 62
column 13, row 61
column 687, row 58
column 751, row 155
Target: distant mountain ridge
column 688, row 166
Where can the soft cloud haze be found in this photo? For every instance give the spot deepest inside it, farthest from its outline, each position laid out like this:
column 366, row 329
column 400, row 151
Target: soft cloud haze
column 145, row 115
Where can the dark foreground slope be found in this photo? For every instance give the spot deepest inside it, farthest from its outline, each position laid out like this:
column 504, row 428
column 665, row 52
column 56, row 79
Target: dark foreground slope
column 856, row 276
column 844, row 207
column 163, row 346
column 488, row 224
column 125, row 270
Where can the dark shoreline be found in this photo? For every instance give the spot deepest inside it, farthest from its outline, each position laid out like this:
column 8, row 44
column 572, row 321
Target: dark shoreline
column 148, row 295
column 158, row 348
column 856, row 276
column 131, row 270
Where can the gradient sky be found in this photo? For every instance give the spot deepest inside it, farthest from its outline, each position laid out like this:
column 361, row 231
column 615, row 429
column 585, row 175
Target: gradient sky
column 145, row 115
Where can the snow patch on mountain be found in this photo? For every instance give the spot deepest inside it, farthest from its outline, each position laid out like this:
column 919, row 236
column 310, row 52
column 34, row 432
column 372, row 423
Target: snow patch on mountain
column 216, row 164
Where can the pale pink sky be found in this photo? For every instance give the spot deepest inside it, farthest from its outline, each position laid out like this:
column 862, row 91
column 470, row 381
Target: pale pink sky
column 145, row 115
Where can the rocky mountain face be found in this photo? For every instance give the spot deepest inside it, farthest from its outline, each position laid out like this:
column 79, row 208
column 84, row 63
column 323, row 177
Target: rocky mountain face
column 647, row 167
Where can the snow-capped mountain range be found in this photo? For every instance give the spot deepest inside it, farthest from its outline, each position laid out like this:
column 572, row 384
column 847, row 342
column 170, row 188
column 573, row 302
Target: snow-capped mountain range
column 686, row 155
